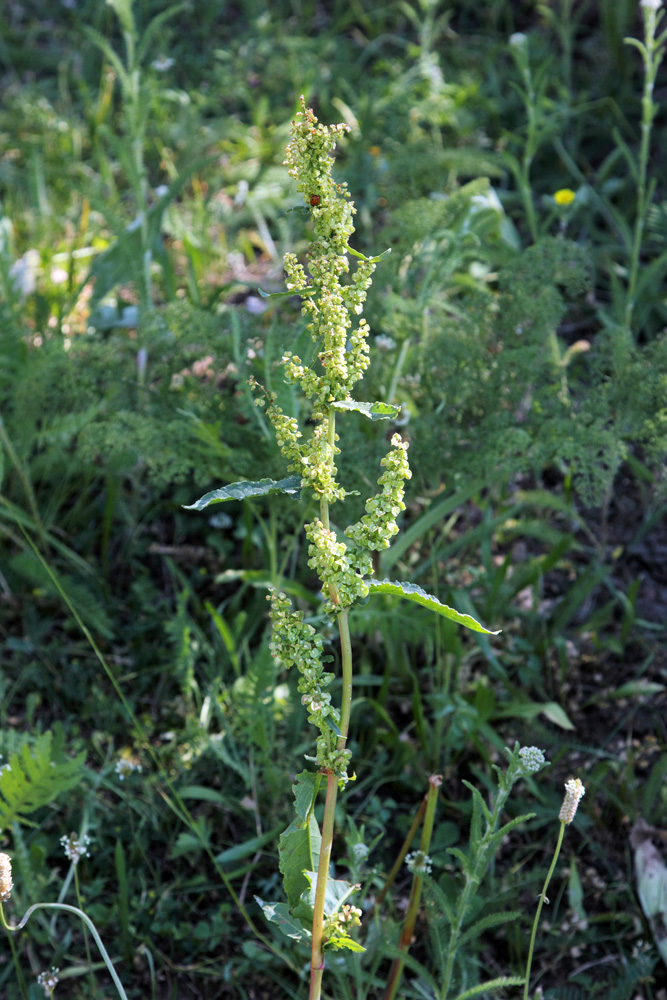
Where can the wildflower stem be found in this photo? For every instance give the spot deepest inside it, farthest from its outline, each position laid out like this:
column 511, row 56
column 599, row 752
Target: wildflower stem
column 543, row 899
column 473, row 877
column 87, row 921
column 652, row 54
column 79, row 900
column 398, row 964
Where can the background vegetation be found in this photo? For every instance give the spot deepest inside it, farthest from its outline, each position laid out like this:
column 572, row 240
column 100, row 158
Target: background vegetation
column 143, row 205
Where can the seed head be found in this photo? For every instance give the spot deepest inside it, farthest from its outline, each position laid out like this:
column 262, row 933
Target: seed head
column 6, row 884
column 574, row 792
column 532, row 759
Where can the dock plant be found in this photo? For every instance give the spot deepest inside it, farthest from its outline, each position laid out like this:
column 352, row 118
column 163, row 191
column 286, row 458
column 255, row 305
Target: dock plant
column 332, row 300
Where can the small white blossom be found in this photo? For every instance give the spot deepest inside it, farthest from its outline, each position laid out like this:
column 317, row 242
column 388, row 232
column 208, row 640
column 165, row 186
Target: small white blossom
column 360, row 851
column 76, row 848
column 419, row 863
column 48, row 980
column 162, row 64
column 518, row 40
column 125, row 767
column 650, row 4
column 384, row 343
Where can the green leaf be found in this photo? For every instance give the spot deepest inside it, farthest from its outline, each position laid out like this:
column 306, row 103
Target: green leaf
column 412, row 592
column 305, row 790
column 279, row 913
column 493, row 984
column 288, row 294
column 491, row 920
column 637, row 689
column 239, row 851
column 370, row 260
column 244, row 490
column 374, row 411
column 338, row 941
column 35, row 776
column 337, row 892
column 530, row 709
column 299, row 852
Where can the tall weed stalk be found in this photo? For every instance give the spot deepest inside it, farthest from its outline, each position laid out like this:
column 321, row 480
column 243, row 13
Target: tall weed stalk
column 317, row 911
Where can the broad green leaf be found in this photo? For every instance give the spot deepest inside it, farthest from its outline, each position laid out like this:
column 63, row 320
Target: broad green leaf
column 337, row 892
column 374, row 411
column 305, row 790
column 412, row 592
column 279, row 913
column 299, row 852
column 244, row 490
column 529, row 709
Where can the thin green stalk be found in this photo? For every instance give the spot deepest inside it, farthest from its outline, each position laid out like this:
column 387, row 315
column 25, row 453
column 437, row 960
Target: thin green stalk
column 472, row 880
column 317, row 953
column 543, row 899
column 652, row 54
column 79, row 900
column 87, row 921
column 25, row 481
column 391, row 877
column 398, row 965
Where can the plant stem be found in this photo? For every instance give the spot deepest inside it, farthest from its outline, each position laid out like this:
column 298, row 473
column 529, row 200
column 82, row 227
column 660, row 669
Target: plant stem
column 434, row 783
column 472, row 880
column 87, row 921
column 317, row 952
column 543, row 899
column 391, row 877
column 652, row 57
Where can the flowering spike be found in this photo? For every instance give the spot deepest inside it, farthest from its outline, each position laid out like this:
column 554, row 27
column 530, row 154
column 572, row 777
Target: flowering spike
column 574, row 792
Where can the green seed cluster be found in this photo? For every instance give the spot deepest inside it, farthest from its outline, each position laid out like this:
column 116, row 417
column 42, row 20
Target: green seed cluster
column 343, row 354
column 295, row 642
column 338, row 566
column 376, row 528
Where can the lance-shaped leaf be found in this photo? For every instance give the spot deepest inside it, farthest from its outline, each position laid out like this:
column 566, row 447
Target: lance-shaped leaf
column 369, row 260
column 298, row 852
column 374, row 411
column 414, row 593
column 279, row 913
column 244, row 490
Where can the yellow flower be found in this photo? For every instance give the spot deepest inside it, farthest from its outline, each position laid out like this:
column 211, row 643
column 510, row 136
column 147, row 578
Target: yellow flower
column 564, row 197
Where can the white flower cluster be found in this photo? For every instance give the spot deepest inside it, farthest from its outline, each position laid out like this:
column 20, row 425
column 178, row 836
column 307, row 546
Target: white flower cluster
column 532, row 759
column 419, row 863
column 6, row 883
column 125, row 767
column 574, row 793
column 48, row 980
column 76, row 848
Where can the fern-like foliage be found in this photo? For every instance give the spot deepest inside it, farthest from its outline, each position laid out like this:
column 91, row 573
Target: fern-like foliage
column 34, row 776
